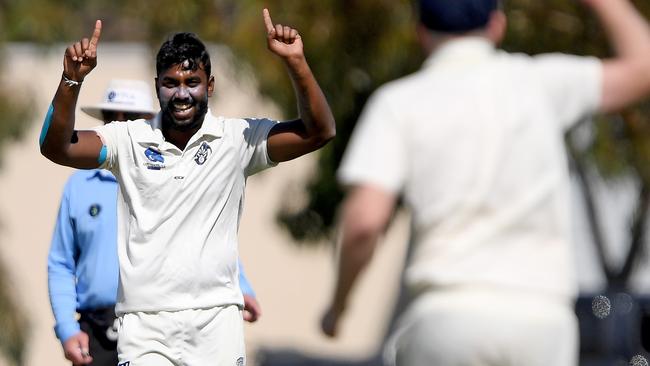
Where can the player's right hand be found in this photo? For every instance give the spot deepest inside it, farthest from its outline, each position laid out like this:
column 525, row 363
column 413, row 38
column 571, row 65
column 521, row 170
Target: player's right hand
column 76, row 349
column 81, row 57
column 329, row 322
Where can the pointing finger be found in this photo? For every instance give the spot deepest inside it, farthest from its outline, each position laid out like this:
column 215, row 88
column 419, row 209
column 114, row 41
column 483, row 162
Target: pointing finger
column 95, row 37
column 267, row 20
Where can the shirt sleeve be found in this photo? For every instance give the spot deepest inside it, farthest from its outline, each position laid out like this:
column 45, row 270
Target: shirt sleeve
column 376, row 153
column 255, row 153
column 61, row 272
column 573, row 84
column 109, row 134
column 244, row 284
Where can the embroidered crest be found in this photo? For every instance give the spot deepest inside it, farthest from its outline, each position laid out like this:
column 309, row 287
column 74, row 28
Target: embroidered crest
column 240, row 361
column 203, row 153
column 154, row 155
column 156, row 160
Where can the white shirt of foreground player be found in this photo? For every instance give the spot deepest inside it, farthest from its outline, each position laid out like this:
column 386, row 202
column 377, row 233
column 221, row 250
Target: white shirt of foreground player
column 179, row 211
column 475, row 142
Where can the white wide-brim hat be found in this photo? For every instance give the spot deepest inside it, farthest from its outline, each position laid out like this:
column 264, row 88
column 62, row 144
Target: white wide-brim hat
column 123, row 96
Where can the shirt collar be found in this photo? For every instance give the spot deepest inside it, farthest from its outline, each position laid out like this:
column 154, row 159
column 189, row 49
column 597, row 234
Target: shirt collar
column 103, row 174
column 462, row 51
column 212, row 126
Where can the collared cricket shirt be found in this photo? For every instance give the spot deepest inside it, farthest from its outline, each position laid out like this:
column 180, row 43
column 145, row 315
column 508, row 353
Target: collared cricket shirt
column 179, row 211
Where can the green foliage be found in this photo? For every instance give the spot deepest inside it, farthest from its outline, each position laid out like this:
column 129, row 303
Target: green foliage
column 14, row 117
column 13, row 326
column 13, row 330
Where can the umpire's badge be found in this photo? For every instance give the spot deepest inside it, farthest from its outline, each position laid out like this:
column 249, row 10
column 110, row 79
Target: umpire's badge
column 94, row 210
column 203, row 153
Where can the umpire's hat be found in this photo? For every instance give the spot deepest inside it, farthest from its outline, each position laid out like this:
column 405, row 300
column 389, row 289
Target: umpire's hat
column 124, row 96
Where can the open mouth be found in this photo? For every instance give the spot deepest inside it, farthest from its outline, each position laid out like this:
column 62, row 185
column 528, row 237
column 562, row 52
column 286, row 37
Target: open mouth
column 182, row 110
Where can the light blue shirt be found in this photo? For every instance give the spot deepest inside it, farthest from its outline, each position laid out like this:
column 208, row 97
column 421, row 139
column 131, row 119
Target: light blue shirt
column 83, row 268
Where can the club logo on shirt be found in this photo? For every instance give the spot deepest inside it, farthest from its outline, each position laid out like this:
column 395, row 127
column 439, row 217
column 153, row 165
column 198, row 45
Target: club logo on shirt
column 94, row 210
column 154, row 155
column 240, row 361
column 156, row 160
column 203, row 153
column 127, row 363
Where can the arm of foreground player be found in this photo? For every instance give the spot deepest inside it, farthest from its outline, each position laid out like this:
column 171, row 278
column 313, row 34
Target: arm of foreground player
column 626, row 77
column 316, row 126
column 58, row 141
column 366, row 213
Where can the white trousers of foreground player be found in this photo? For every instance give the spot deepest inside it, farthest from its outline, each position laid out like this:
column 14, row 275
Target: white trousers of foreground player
column 483, row 326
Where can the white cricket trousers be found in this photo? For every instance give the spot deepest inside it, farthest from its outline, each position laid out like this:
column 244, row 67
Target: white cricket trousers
column 485, row 327
column 194, row 337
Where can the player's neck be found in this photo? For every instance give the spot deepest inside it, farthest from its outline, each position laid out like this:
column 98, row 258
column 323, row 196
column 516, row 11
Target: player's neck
column 179, row 138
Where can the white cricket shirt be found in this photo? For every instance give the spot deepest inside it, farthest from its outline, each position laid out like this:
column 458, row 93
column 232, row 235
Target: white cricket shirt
column 178, row 211
column 475, row 142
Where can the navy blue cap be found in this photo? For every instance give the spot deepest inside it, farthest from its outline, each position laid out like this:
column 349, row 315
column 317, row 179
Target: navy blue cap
column 456, row 16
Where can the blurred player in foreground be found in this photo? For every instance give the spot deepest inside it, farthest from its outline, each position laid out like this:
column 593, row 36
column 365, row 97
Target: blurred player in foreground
column 474, row 142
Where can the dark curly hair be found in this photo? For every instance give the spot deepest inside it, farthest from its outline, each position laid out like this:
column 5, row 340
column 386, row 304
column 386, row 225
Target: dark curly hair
column 182, row 47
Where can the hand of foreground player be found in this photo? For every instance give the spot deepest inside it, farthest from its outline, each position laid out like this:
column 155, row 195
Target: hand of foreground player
column 81, row 57
column 282, row 40
column 75, row 349
column 252, row 309
column 329, row 322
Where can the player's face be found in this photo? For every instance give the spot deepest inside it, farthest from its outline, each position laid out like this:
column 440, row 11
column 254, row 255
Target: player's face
column 183, row 95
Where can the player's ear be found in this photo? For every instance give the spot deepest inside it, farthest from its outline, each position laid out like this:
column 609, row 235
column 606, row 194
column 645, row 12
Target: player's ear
column 155, row 86
column 496, row 27
column 210, row 86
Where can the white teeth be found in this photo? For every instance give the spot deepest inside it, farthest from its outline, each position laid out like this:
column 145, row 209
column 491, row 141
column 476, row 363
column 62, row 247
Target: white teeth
column 182, row 107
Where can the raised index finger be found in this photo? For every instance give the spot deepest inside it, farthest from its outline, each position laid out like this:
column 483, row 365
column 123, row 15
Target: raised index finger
column 96, row 33
column 267, row 20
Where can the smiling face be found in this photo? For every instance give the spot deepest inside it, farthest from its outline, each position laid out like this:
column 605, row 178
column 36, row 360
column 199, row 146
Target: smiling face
column 183, row 90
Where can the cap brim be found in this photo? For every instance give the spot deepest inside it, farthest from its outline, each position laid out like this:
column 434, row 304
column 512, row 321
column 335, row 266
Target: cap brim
column 95, row 111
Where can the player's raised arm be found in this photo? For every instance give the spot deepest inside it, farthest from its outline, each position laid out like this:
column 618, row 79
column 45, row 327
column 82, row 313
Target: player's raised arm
column 58, row 141
column 626, row 76
column 316, row 126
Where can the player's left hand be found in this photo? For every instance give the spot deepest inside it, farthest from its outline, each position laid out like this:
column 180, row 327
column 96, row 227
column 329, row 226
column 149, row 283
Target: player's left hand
column 252, row 309
column 282, row 40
